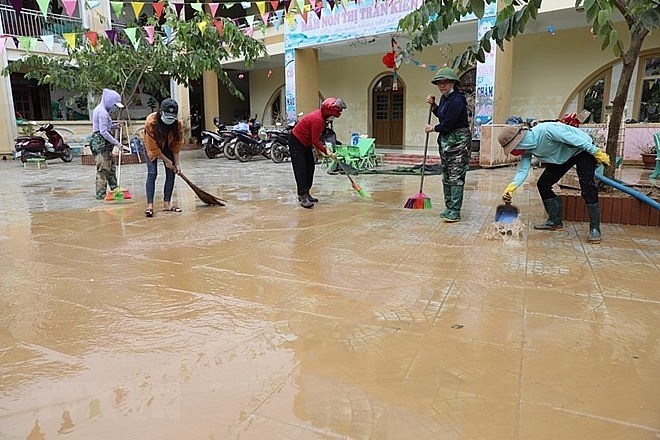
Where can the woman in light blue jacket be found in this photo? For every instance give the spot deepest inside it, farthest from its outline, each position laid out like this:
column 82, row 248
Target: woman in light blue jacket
column 560, row 147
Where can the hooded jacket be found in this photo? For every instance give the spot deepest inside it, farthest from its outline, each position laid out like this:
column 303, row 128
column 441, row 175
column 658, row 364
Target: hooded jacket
column 101, row 119
column 552, row 142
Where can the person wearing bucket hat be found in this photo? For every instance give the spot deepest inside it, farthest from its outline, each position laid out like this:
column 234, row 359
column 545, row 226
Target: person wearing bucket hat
column 102, row 142
column 560, row 147
column 163, row 139
column 454, row 139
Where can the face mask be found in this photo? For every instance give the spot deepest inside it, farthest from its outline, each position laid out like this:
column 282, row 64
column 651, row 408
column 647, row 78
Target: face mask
column 167, row 120
column 517, row 152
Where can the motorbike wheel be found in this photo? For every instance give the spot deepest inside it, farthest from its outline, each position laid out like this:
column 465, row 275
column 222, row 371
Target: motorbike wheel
column 209, row 150
column 230, row 149
column 242, row 152
column 277, row 152
column 67, row 154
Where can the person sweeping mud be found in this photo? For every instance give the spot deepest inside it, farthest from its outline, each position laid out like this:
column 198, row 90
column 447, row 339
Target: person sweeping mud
column 305, row 136
column 454, row 140
column 102, row 143
column 163, row 139
column 560, row 147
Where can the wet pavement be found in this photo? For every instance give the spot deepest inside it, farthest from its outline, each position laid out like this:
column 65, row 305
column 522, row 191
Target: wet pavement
column 357, row 319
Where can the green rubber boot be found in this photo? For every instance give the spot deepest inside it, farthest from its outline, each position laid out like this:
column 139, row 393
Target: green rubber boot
column 446, row 190
column 553, row 208
column 453, row 214
column 594, row 223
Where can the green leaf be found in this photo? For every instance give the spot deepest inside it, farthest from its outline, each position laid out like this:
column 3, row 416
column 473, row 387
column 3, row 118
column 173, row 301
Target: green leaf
column 477, row 7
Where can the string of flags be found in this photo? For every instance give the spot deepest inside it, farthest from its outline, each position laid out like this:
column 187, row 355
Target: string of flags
column 392, row 60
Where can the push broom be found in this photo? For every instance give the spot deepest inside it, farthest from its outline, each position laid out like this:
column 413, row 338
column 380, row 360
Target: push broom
column 348, row 170
column 421, row 200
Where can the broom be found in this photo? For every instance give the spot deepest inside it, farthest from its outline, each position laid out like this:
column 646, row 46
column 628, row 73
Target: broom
column 119, row 193
column 421, row 200
column 348, row 170
column 205, row 197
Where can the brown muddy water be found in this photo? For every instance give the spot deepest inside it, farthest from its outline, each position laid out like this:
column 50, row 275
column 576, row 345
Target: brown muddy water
column 357, row 319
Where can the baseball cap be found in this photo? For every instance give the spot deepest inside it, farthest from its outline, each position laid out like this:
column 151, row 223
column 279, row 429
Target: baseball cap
column 169, row 107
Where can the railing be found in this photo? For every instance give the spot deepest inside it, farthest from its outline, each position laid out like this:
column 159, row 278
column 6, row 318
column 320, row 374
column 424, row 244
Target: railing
column 33, row 23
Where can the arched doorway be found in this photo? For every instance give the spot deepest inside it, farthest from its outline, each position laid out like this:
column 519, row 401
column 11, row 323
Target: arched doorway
column 387, row 112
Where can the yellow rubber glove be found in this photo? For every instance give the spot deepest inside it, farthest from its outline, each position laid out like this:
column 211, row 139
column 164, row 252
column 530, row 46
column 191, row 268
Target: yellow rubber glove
column 508, row 193
column 602, row 157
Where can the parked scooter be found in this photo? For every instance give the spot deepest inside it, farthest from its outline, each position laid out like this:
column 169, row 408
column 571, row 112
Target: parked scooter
column 278, row 139
column 36, row 147
column 214, row 143
column 247, row 146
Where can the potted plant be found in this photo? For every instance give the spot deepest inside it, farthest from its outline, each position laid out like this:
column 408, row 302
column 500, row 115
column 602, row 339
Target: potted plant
column 649, row 153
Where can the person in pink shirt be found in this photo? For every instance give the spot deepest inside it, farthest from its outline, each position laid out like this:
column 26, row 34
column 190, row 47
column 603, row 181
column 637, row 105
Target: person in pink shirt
column 305, row 136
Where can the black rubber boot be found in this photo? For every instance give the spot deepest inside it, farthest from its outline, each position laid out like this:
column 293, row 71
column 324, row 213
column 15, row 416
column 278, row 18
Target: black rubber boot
column 305, row 202
column 553, row 208
column 311, row 199
column 594, row 223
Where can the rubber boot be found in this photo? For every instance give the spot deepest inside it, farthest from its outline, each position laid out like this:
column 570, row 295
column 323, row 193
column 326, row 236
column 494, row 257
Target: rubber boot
column 553, row 208
column 594, row 223
column 455, row 203
column 305, row 202
column 310, row 198
column 446, row 190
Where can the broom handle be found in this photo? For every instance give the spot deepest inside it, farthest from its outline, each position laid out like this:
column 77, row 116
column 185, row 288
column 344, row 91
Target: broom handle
column 121, row 151
column 426, row 147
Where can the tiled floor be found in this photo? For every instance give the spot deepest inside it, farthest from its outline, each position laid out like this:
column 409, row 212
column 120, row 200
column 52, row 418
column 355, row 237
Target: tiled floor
column 358, row 319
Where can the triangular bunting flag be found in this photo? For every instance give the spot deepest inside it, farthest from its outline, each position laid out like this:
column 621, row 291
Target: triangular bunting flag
column 249, row 31
column 264, row 17
column 43, row 7
column 250, row 20
column 202, row 26
column 70, row 6
column 287, row 5
column 317, row 11
column 116, row 6
column 246, row 5
column 111, row 33
column 49, row 41
column 137, row 7
column 197, row 7
column 92, row 38
column 132, row 35
column 213, row 7
column 279, row 13
column 274, row 4
column 27, row 43
column 290, row 20
column 93, row 4
column 262, row 7
column 18, row 6
column 168, row 34
column 150, row 33
column 332, row 4
column 158, row 9
column 70, row 39
column 15, row 40
column 301, row 6
column 178, row 7
column 220, row 27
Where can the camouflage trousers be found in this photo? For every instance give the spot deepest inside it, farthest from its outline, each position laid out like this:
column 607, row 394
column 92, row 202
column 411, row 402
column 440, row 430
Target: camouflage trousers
column 455, row 156
column 106, row 173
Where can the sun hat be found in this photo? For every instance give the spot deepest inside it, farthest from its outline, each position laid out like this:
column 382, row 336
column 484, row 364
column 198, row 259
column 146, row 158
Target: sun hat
column 510, row 136
column 169, row 107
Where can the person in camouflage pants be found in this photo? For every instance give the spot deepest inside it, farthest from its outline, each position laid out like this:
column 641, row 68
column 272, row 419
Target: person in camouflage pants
column 102, row 142
column 454, row 140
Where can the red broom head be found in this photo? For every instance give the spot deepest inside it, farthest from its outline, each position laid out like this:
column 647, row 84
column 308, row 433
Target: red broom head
column 418, row 201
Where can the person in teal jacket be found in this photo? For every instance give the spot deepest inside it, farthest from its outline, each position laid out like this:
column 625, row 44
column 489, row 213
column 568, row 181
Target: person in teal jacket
column 560, row 147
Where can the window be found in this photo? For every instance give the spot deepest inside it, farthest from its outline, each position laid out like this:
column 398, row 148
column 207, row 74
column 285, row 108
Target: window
column 649, row 103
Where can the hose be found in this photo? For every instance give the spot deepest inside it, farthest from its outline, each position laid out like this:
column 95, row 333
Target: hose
column 613, row 183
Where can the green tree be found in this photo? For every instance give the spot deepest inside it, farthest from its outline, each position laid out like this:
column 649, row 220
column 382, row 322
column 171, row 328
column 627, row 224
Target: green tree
column 641, row 16
column 184, row 55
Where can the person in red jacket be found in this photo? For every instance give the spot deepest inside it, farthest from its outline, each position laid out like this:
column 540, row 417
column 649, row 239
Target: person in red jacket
column 305, row 136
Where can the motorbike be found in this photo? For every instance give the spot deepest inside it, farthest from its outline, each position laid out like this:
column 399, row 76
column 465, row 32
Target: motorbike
column 38, row 147
column 278, row 139
column 247, row 145
column 246, row 130
column 213, row 142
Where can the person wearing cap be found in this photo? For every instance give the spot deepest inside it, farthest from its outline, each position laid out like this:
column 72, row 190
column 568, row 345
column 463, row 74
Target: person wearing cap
column 560, row 147
column 103, row 143
column 163, row 139
column 454, row 139
column 306, row 135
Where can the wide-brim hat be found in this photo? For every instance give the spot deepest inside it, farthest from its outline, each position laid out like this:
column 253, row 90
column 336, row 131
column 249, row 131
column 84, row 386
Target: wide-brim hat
column 510, row 137
column 445, row 73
